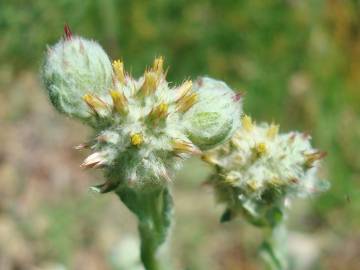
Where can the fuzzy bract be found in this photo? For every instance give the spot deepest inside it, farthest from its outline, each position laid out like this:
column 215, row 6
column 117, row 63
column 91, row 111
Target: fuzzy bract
column 216, row 116
column 73, row 67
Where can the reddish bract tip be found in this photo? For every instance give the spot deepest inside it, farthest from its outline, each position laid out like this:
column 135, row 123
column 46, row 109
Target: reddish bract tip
column 237, row 97
column 306, row 135
column 200, row 82
column 322, row 154
column 67, row 31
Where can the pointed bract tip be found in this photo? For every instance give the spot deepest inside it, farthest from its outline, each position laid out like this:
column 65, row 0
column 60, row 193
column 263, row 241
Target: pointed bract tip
column 247, row 122
column 208, row 158
column 186, row 102
column 158, row 65
column 150, row 83
column 67, row 31
column 272, row 131
column 119, row 101
column 82, row 146
column 95, row 103
column 118, row 66
column 95, row 160
column 238, row 96
column 104, row 187
column 184, row 89
column 185, row 147
column 159, row 112
column 313, row 157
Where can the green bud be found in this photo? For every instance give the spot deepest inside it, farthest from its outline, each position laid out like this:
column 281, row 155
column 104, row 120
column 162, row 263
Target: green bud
column 72, row 68
column 216, row 115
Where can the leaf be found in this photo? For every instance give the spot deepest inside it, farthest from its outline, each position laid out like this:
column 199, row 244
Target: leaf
column 226, row 216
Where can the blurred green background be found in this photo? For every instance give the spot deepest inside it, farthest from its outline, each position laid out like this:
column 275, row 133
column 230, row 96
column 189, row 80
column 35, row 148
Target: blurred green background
column 299, row 64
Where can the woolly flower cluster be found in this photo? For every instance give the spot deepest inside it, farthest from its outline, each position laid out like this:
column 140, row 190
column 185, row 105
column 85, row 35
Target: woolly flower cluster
column 259, row 170
column 144, row 128
column 74, row 67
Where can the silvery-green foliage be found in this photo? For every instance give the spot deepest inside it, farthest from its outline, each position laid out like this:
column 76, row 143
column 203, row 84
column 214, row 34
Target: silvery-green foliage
column 73, row 67
column 216, row 116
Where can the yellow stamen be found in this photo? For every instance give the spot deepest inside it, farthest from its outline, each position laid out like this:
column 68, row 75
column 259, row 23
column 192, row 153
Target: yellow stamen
column 209, row 159
column 136, row 139
column 119, row 70
column 273, row 131
column 159, row 111
column 119, row 100
column 186, row 102
column 163, row 108
column 230, row 179
column 181, row 146
column 276, row 182
column 247, row 123
column 253, row 185
column 184, row 89
column 94, row 102
column 235, row 141
column 260, row 149
column 150, row 83
column 311, row 158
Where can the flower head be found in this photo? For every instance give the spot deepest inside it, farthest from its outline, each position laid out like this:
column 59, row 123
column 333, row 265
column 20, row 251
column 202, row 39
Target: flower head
column 73, row 67
column 217, row 114
column 142, row 137
column 144, row 128
column 258, row 170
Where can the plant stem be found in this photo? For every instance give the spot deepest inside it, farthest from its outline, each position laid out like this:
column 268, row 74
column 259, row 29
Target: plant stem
column 148, row 248
column 154, row 211
column 274, row 248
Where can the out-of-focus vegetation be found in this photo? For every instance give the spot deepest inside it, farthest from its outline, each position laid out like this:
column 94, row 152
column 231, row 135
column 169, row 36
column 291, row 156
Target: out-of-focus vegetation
column 299, row 64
